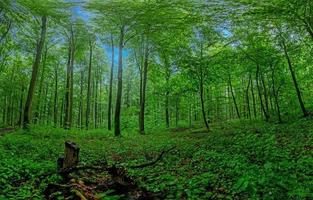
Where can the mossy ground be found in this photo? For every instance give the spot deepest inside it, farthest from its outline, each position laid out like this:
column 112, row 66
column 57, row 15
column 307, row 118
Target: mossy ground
column 236, row 160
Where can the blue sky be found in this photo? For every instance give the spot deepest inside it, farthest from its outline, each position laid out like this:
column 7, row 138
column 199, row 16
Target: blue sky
column 78, row 11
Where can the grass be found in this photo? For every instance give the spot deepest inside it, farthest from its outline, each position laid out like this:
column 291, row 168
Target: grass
column 236, row 160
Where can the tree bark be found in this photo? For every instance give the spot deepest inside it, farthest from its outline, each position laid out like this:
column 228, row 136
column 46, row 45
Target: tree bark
column 55, row 103
column 117, row 121
column 265, row 93
column 143, row 92
column 32, row 85
column 233, row 96
column 260, row 94
column 80, row 113
column 276, row 94
column 202, row 104
column 89, row 87
column 111, row 87
column 69, row 84
column 38, row 111
column 247, row 97
column 294, row 79
column 21, row 107
column 253, row 98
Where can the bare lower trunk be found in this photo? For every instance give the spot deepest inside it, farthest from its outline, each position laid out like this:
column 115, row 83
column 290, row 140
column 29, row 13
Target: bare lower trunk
column 202, row 106
column 32, row 85
column 167, row 113
column 117, row 121
column 247, row 98
column 233, row 96
column 294, row 79
column 55, row 107
column 89, row 87
column 69, row 84
column 260, row 94
column 110, row 89
column 143, row 92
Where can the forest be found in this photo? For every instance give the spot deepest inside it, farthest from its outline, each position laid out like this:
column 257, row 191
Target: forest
column 156, row 99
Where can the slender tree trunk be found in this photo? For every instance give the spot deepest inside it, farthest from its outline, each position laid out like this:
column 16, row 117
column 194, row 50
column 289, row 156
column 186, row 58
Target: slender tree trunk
column 21, row 107
column 117, row 121
column 111, row 87
column 38, row 110
column 177, row 111
column 4, row 112
column 276, row 94
column 247, row 98
column 89, row 87
column 260, row 94
column 167, row 113
column 44, row 114
column 143, row 92
column 202, row 105
column 55, row 103
column 253, row 98
column 233, row 96
column 190, row 114
column 62, row 111
column 265, row 93
column 100, row 99
column 32, row 85
column 230, row 105
column 69, row 84
column 80, row 115
column 96, row 100
column 294, row 79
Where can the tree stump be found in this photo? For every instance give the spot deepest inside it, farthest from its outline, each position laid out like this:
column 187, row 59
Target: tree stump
column 71, row 155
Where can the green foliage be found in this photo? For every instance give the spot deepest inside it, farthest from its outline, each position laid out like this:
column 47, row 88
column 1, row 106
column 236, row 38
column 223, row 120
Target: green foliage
column 238, row 160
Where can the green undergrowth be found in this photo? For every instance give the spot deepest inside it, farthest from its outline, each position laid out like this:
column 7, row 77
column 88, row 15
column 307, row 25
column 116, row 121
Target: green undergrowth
column 236, row 160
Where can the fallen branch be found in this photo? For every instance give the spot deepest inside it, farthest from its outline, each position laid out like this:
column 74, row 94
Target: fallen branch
column 153, row 162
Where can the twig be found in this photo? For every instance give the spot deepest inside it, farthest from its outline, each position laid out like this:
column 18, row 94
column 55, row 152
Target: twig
column 153, row 162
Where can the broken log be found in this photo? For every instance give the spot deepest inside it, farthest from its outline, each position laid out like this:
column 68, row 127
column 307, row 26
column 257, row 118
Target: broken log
column 71, row 155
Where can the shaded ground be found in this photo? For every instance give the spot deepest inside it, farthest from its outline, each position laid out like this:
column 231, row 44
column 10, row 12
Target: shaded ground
column 4, row 131
column 238, row 160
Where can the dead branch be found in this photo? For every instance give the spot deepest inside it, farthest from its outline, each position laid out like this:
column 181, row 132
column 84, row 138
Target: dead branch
column 153, row 162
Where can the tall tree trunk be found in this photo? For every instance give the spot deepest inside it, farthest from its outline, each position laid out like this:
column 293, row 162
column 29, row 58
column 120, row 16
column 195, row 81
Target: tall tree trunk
column 176, row 111
column 265, row 93
column 55, row 103
column 276, row 94
column 89, row 87
column 202, row 105
column 21, row 107
column 37, row 114
column 247, row 98
column 32, row 85
column 167, row 113
column 44, row 114
column 143, row 92
column 80, row 113
column 260, row 94
column 4, row 112
column 253, row 98
column 117, row 121
column 111, row 87
column 233, row 96
column 100, row 99
column 96, row 100
column 69, row 84
column 294, row 79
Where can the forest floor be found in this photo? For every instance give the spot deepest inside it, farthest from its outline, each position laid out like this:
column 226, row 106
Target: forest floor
column 236, row 160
